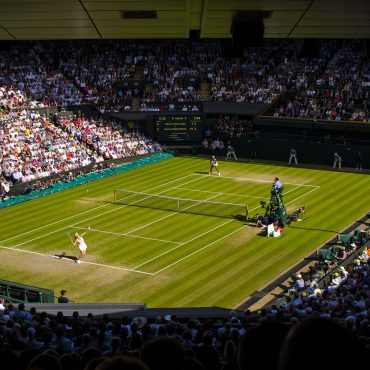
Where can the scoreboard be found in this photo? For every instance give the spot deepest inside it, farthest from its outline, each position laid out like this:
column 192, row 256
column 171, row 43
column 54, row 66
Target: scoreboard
column 187, row 128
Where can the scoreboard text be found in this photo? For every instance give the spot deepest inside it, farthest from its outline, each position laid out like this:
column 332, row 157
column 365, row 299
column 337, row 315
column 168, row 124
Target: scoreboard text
column 179, row 128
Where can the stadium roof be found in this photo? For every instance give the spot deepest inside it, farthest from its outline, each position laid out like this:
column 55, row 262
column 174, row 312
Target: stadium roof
column 138, row 19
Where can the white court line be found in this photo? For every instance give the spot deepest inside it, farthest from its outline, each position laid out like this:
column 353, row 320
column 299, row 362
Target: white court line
column 188, row 241
column 126, row 234
column 172, row 214
column 174, row 248
column 126, row 205
column 199, row 250
column 99, row 215
column 134, row 269
column 116, row 267
column 84, row 262
column 287, row 192
column 213, row 192
column 252, row 180
column 301, row 196
column 28, row 241
column 208, row 245
column 52, row 223
column 89, row 210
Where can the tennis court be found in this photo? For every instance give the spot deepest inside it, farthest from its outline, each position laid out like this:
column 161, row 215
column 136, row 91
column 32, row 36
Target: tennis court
column 137, row 231
column 179, row 240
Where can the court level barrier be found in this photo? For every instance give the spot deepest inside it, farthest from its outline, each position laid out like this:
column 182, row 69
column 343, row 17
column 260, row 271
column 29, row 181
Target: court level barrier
column 84, row 179
column 20, row 293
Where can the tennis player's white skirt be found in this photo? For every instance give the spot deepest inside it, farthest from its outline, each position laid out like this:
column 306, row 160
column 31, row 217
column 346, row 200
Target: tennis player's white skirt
column 82, row 247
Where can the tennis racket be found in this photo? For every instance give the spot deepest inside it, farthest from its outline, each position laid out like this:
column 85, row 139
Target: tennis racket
column 69, row 236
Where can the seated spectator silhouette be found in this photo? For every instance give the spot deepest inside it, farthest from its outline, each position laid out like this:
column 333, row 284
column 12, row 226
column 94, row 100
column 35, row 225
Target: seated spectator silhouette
column 163, row 353
column 207, row 353
column 70, row 361
column 259, row 348
column 45, row 361
column 89, row 354
column 63, row 298
column 190, row 363
column 8, row 359
column 122, row 363
column 319, row 343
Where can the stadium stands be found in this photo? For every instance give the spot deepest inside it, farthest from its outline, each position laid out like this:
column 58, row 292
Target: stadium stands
column 167, row 76
column 235, row 342
column 102, row 73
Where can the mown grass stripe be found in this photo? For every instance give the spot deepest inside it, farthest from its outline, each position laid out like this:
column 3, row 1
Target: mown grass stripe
column 221, row 274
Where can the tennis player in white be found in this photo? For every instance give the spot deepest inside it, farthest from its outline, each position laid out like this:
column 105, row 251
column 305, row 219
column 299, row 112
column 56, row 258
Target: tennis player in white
column 214, row 165
column 81, row 245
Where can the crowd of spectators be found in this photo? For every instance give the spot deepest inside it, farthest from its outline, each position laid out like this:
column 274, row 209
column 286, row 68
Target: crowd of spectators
column 96, row 67
column 11, row 99
column 338, row 91
column 229, row 128
column 173, row 70
column 108, row 140
column 34, row 147
column 225, row 131
column 171, row 93
column 332, row 85
column 345, row 296
column 331, row 319
column 313, row 319
column 24, row 67
column 170, row 107
column 251, row 78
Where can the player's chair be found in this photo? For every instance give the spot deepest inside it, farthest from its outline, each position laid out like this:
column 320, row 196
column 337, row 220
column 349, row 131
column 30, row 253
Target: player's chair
column 346, row 239
column 327, row 254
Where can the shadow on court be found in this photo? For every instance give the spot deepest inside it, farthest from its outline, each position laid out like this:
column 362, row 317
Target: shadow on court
column 240, row 218
column 65, row 256
column 310, row 229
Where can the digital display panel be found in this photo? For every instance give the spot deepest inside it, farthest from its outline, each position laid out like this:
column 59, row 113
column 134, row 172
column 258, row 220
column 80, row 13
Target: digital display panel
column 179, row 128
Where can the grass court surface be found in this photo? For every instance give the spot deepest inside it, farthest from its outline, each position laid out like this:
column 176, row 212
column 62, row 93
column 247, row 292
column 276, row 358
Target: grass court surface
column 197, row 255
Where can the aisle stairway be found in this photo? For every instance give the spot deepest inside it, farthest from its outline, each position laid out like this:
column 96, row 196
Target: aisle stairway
column 136, row 103
column 138, row 76
column 205, row 91
column 139, row 73
column 333, row 61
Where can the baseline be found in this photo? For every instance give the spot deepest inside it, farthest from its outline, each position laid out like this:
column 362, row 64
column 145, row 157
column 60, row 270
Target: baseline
column 252, row 180
column 82, row 262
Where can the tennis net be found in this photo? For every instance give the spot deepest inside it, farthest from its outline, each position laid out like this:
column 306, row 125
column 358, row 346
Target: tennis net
column 183, row 205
